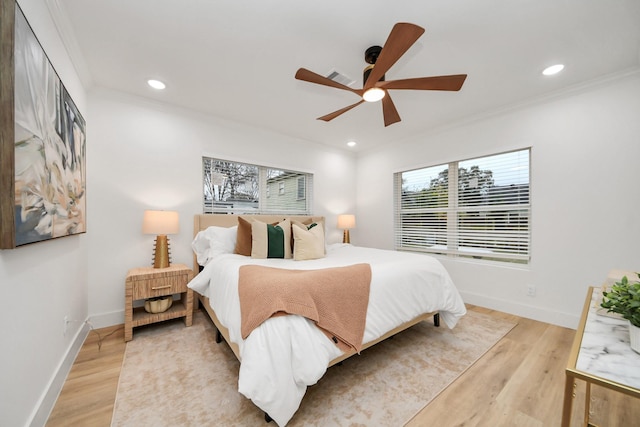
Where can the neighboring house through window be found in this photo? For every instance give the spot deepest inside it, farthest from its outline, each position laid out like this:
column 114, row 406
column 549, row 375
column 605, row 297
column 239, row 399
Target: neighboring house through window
column 241, row 188
column 302, row 187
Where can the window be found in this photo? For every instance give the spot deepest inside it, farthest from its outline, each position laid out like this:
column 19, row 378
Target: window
column 241, row 188
column 302, row 187
column 476, row 208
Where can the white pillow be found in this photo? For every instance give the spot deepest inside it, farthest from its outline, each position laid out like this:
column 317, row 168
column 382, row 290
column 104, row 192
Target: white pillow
column 308, row 243
column 214, row 241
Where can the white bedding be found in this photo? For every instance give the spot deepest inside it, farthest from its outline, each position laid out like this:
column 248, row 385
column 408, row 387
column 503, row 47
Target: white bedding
column 288, row 353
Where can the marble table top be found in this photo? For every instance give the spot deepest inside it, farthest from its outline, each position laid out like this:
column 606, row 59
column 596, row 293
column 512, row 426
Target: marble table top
column 605, row 350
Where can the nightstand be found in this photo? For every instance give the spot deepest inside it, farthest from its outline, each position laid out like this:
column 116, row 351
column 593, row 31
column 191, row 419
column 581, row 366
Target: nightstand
column 149, row 282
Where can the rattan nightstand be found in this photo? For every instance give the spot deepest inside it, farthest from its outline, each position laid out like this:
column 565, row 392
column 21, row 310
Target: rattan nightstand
column 149, row 282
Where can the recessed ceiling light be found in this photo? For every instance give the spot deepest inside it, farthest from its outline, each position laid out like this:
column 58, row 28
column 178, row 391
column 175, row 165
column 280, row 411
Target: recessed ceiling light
column 351, row 143
column 554, row 69
column 156, row 84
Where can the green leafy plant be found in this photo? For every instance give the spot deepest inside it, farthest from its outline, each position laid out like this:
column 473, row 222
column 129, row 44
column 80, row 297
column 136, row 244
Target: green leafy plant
column 624, row 299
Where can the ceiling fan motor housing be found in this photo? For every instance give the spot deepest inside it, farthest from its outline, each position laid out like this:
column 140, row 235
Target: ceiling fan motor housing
column 370, row 57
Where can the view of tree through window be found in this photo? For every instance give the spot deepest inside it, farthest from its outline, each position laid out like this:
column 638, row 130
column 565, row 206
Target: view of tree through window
column 475, row 208
column 233, row 187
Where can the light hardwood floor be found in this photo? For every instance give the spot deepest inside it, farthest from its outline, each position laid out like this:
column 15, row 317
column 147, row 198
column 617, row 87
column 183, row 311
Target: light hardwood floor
column 519, row 382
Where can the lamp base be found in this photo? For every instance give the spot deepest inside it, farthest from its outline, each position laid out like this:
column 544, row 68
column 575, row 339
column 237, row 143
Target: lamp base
column 161, row 257
column 345, row 237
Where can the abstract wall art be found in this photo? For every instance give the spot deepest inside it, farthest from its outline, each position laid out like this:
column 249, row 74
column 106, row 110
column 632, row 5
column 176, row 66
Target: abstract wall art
column 42, row 145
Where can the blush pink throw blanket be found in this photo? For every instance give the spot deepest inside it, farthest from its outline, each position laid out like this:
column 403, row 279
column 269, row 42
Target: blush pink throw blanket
column 336, row 299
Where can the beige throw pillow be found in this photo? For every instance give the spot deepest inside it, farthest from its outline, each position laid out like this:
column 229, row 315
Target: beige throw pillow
column 308, row 243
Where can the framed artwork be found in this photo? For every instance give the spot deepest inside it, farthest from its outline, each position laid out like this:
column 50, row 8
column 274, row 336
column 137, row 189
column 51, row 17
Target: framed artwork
column 42, row 141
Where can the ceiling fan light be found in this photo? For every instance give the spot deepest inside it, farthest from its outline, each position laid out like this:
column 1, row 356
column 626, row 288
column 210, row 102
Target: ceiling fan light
column 374, row 94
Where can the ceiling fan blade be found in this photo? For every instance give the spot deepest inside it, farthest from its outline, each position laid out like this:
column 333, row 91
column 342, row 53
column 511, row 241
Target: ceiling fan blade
column 389, row 111
column 452, row 83
column 335, row 114
column 311, row 77
column 402, row 37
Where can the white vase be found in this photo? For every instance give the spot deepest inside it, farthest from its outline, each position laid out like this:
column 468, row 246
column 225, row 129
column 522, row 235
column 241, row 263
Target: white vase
column 634, row 336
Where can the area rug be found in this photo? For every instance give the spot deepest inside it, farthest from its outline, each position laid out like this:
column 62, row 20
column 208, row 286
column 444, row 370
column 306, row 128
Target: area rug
column 174, row 375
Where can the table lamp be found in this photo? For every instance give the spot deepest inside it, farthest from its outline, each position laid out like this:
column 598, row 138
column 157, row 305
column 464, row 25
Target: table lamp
column 346, row 222
column 161, row 223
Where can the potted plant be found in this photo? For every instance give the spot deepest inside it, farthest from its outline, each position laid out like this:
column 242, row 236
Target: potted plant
column 624, row 299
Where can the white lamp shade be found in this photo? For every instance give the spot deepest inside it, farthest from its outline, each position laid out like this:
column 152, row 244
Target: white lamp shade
column 346, row 222
column 160, row 222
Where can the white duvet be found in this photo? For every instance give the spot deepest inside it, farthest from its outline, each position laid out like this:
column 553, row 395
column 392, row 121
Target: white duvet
column 286, row 354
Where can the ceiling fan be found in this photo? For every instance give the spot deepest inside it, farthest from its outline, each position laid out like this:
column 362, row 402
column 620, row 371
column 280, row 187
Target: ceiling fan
column 402, row 37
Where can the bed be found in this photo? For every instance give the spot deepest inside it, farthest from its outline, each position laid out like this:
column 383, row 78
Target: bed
column 284, row 355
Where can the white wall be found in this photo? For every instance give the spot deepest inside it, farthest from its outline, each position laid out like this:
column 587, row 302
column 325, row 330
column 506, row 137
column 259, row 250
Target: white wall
column 40, row 283
column 140, row 155
column 584, row 193
column 145, row 155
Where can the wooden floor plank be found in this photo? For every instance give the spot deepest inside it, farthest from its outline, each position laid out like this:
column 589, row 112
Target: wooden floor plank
column 547, row 357
column 89, row 392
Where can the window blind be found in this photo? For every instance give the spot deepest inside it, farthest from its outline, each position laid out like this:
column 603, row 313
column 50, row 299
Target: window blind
column 477, row 208
column 241, row 188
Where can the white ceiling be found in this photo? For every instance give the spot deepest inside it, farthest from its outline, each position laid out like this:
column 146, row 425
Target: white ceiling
column 237, row 59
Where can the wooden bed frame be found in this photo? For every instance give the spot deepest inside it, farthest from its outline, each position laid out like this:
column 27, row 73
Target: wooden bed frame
column 201, row 222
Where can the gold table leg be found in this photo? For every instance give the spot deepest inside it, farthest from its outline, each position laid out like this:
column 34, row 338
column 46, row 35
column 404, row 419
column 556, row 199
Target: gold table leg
column 569, row 385
column 587, row 403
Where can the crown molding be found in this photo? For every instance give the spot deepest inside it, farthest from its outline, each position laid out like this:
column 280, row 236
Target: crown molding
column 69, row 40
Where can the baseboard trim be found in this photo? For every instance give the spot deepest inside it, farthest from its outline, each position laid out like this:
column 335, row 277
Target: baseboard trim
column 50, row 396
column 522, row 310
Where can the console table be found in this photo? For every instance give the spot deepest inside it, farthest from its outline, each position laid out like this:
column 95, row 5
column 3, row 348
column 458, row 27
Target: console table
column 600, row 355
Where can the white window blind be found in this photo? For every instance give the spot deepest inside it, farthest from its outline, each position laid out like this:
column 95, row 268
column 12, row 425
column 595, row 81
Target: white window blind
column 241, row 188
column 302, row 187
column 477, row 208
